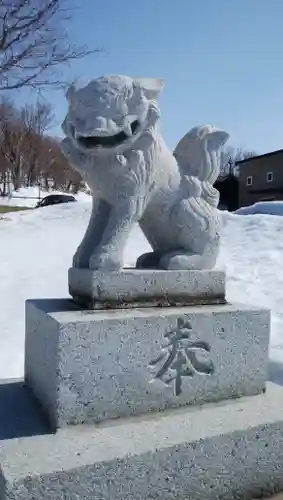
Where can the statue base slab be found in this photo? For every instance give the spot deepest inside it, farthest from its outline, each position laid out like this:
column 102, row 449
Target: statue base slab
column 130, row 288
column 225, row 450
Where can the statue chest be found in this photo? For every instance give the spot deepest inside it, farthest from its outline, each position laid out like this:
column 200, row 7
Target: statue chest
column 111, row 179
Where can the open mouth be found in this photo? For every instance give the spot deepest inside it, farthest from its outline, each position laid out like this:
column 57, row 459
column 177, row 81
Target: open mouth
column 107, row 141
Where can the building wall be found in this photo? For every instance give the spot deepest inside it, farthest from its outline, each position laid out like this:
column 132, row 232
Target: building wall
column 257, row 169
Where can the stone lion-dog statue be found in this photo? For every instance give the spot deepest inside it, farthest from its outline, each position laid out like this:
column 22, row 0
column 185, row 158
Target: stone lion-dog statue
column 113, row 140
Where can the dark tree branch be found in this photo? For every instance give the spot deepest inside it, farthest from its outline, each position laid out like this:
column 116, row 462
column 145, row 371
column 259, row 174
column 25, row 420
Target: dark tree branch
column 229, row 157
column 34, row 43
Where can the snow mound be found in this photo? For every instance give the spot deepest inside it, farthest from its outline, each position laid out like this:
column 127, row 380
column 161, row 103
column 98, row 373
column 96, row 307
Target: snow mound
column 263, row 207
column 37, row 248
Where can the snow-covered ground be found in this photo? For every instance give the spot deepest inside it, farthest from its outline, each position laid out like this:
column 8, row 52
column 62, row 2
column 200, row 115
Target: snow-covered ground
column 36, row 249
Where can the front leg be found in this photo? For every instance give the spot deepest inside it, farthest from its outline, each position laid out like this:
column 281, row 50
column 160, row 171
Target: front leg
column 108, row 255
column 92, row 237
column 127, row 209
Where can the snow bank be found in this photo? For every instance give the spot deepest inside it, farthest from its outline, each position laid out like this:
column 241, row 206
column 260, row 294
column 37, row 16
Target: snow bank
column 263, row 207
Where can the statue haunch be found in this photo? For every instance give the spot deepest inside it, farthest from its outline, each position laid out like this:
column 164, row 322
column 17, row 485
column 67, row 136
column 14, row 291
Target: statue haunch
column 113, row 140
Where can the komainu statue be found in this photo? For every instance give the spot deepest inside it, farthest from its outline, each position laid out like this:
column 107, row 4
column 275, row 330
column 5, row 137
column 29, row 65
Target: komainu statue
column 113, row 139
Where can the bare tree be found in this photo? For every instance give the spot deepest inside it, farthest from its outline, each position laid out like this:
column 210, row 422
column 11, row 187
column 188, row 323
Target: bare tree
column 29, row 157
column 4, row 175
column 37, row 119
column 34, row 42
column 12, row 135
column 229, row 157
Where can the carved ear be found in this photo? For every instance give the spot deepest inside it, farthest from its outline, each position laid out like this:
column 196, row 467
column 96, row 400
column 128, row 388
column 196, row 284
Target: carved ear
column 150, row 86
column 70, row 93
column 217, row 139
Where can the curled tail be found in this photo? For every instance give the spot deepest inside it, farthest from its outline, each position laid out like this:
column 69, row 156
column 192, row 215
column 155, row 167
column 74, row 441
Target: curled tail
column 197, row 155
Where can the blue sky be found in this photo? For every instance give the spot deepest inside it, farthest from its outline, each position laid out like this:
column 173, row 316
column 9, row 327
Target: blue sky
column 221, row 60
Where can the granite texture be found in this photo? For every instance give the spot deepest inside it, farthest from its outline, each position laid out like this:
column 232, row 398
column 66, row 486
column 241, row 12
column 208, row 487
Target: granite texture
column 232, row 450
column 88, row 366
column 114, row 141
column 145, row 288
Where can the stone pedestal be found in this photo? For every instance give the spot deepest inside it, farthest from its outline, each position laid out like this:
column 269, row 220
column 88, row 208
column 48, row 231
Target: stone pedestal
column 88, row 366
column 175, row 398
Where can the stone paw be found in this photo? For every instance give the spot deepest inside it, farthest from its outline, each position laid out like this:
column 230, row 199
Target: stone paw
column 149, row 260
column 182, row 261
column 105, row 261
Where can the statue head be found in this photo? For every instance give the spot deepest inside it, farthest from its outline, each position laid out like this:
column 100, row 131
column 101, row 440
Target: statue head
column 110, row 113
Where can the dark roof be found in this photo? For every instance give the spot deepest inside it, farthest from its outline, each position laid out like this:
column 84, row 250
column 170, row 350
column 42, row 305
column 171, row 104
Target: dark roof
column 266, row 155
